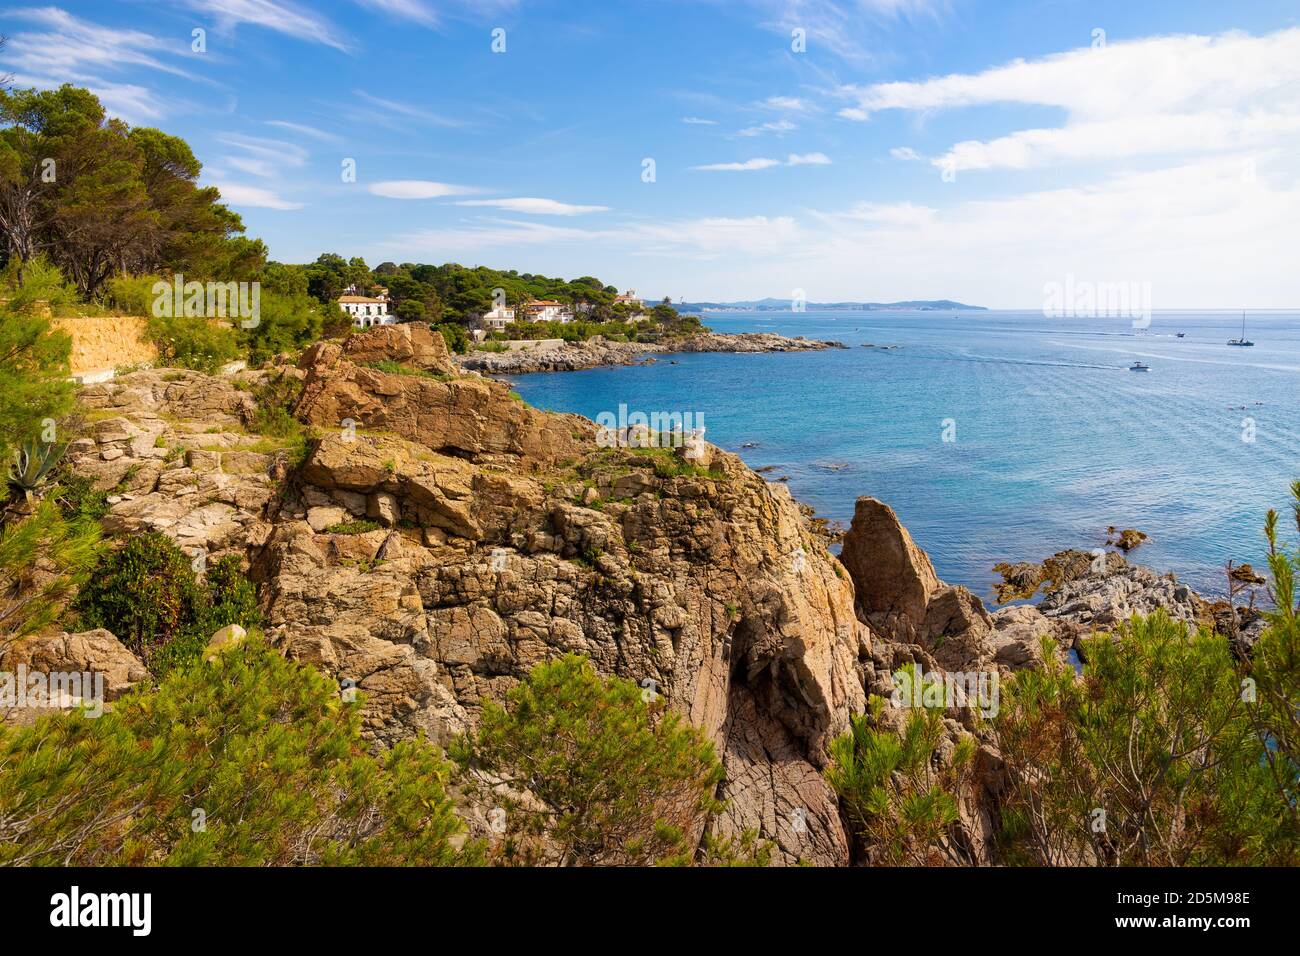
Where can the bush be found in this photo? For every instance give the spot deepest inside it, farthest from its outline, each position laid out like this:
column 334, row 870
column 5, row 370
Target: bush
column 196, row 343
column 132, row 295
column 248, row 760
column 34, row 385
column 898, row 795
column 39, row 283
column 455, row 336
column 612, row 779
column 148, row 595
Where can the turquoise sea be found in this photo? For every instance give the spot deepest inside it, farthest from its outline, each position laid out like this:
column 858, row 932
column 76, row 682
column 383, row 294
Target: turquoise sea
column 1054, row 437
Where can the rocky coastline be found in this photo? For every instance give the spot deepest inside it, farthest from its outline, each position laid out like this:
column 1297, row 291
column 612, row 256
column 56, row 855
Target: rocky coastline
column 441, row 537
column 599, row 351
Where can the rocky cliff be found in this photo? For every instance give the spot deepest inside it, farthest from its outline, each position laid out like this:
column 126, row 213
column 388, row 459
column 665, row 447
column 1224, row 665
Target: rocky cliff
column 441, row 537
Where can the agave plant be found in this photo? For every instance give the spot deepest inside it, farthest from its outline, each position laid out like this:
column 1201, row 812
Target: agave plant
column 32, row 465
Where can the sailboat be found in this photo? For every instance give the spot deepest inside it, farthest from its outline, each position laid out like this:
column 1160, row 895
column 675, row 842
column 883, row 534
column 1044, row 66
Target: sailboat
column 1243, row 341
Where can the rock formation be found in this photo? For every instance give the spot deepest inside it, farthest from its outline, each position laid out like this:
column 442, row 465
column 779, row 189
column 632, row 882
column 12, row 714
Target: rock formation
column 441, row 537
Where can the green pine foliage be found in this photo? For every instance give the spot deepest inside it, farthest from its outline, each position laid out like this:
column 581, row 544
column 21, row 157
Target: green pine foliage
column 897, row 790
column 588, row 773
column 247, row 760
column 1151, row 759
column 44, row 558
column 34, row 385
column 1272, row 671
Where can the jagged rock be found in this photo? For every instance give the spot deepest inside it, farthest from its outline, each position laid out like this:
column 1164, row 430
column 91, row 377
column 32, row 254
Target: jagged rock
column 467, row 418
column 410, row 343
column 893, row 578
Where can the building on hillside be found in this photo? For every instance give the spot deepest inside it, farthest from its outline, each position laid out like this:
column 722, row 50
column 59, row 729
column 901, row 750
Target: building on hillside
column 381, row 293
column 366, row 311
column 546, row 310
column 628, row 298
column 498, row 318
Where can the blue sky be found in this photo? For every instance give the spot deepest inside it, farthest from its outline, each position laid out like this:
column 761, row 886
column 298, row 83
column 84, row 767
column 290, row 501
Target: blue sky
column 914, row 149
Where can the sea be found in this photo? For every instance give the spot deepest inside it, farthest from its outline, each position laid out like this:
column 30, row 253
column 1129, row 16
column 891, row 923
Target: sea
column 1001, row 435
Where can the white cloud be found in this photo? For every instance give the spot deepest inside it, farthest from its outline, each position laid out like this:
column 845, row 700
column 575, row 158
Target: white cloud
column 261, row 153
column 1163, row 95
column 777, row 126
column 749, row 165
column 697, row 121
column 746, row 166
column 905, row 153
column 278, row 15
column 240, row 195
column 538, row 207
column 793, row 104
column 304, row 130
column 417, row 189
column 414, row 10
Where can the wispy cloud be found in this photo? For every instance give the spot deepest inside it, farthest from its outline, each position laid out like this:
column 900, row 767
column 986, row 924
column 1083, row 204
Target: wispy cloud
column 840, row 26
column 278, row 15
column 750, row 165
column 241, row 195
column 304, row 130
column 404, row 111
column 906, row 153
column 414, row 10
column 418, row 189
column 67, row 49
column 742, row 167
column 538, row 207
column 698, row 121
column 776, row 126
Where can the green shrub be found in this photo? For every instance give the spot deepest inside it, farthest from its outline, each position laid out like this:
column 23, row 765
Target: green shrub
column 613, row 779
column 248, row 760
column 360, row 526
column 148, row 594
column 195, row 343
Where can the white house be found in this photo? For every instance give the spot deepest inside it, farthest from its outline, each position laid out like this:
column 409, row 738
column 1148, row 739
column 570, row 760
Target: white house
column 498, row 318
column 546, row 310
column 366, row 311
column 628, row 298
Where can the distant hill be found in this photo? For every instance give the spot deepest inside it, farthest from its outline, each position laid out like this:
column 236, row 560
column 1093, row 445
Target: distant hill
column 783, row 305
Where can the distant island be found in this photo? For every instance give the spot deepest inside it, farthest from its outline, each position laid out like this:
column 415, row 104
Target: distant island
column 783, row 305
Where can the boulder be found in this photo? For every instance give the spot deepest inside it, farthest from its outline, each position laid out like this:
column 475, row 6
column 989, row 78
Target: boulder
column 892, row 577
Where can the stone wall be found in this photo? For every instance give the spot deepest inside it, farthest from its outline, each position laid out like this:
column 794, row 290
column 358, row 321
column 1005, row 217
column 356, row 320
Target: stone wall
column 103, row 343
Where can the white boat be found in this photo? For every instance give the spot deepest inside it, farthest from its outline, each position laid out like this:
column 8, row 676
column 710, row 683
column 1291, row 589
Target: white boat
column 1242, row 342
column 1139, row 367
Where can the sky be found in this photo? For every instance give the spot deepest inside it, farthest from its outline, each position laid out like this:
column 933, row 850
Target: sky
column 870, row 150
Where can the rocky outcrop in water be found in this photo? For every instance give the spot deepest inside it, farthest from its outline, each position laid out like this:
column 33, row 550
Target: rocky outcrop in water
column 599, row 351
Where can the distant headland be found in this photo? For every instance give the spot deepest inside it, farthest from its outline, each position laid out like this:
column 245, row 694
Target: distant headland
column 784, row 305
